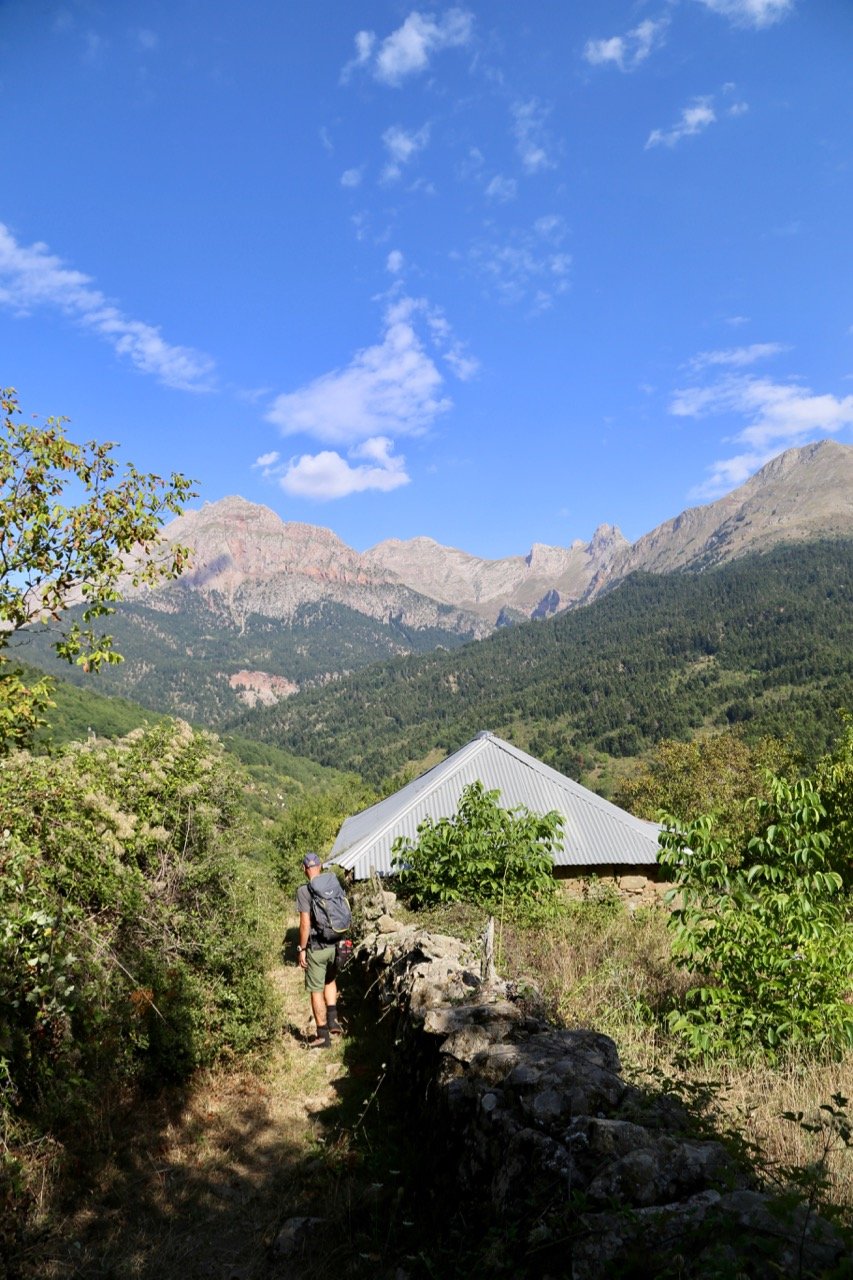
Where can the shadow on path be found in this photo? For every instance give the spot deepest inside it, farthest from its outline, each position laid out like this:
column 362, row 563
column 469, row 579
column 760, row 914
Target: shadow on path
column 210, row 1182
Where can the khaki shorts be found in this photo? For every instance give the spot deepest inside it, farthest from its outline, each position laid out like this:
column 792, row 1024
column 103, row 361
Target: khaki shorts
column 319, row 960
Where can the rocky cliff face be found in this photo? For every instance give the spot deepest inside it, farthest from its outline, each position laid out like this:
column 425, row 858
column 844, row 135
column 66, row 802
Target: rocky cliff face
column 544, row 581
column 247, row 560
column 802, row 495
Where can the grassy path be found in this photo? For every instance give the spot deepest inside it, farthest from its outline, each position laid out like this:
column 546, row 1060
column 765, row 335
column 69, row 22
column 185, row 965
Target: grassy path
column 198, row 1182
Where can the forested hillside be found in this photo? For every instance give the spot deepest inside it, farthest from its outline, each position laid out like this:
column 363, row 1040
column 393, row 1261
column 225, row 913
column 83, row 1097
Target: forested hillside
column 766, row 642
column 180, row 662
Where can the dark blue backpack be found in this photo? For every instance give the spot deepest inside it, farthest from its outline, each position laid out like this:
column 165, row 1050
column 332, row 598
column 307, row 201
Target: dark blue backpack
column 330, row 911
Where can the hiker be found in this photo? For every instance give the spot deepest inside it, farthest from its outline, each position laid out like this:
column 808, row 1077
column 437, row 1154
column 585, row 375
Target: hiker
column 316, row 901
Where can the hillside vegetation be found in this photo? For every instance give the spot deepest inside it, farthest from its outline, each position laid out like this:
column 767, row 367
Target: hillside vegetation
column 764, row 643
column 131, row 948
column 179, row 661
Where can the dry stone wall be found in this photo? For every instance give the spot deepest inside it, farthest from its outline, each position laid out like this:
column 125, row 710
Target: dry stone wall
column 538, row 1140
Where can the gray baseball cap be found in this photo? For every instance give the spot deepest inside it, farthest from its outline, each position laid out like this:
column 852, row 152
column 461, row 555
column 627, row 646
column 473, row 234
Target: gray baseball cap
column 312, row 860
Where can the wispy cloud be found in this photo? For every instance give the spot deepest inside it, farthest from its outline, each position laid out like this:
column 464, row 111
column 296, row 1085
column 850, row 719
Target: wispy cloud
column 532, row 141
column 402, row 147
column 31, row 277
column 737, row 357
column 325, row 476
column 393, row 388
column 751, row 13
column 501, row 189
column 267, row 460
column 94, row 46
column 529, row 265
column 694, row 119
column 146, row 39
column 351, row 178
column 395, row 262
column 629, row 51
column 409, row 49
column 778, row 415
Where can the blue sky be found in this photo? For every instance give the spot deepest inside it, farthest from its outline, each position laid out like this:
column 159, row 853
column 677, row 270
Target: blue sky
column 489, row 272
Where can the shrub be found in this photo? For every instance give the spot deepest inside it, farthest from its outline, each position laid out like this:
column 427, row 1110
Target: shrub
column 128, row 946
column 766, row 928
column 483, row 854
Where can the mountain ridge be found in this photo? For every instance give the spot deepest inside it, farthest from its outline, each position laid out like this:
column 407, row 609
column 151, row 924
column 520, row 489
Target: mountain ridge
column 257, row 562
column 268, row 607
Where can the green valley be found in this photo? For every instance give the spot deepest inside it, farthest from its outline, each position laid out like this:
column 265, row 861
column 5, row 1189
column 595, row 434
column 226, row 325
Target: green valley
column 764, row 642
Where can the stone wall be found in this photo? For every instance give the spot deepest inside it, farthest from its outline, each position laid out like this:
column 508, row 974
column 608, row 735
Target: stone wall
column 534, row 1131
column 636, row 886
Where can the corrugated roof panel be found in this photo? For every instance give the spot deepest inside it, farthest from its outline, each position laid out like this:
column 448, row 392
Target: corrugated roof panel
column 595, row 831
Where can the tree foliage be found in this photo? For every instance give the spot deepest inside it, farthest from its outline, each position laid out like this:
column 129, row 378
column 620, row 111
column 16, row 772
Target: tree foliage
column 483, row 854
column 54, row 550
column 765, row 928
column 311, row 822
column 719, row 774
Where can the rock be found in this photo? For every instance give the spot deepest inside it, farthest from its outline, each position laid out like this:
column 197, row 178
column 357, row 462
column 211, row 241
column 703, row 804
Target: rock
column 387, row 924
column 293, row 1236
column 465, row 1043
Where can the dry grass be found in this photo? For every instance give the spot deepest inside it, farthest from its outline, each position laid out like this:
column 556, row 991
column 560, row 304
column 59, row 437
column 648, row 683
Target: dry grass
column 609, row 970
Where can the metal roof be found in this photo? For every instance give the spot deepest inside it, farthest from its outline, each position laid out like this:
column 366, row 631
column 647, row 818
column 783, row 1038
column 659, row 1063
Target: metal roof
column 595, row 832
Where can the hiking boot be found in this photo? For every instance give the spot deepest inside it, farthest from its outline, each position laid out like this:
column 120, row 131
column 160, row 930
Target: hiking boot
column 320, row 1041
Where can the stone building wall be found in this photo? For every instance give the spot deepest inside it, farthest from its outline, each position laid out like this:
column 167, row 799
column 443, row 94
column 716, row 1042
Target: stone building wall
column 636, row 886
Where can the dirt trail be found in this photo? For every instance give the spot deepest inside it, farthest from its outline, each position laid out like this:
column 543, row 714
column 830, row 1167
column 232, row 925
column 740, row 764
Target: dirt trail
column 199, row 1182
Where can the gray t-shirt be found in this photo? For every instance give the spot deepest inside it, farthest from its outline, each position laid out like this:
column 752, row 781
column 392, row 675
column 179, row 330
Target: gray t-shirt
column 303, row 903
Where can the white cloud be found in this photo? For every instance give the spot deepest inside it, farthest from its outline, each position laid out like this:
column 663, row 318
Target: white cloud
column 737, row 321
column 402, row 147
column 737, row 109
column 390, row 389
column 531, row 138
column 693, row 119
column 502, row 189
column 394, row 262
column 779, row 415
column 737, row 357
column 408, row 50
column 529, row 264
column 266, row 460
column 351, row 178
column 463, row 365
column 629, row 51
column 32, row 277
column 751, row 13
column 325, row 476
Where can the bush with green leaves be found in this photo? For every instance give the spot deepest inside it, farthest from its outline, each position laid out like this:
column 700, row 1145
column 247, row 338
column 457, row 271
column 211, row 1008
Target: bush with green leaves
column 310, row 823
column 483, row 854
column 766, row 928
column 129, row 943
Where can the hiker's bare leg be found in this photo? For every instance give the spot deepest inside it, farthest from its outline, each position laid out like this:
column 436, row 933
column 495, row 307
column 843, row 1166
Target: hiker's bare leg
column 318, row 1006
column 330, row 993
